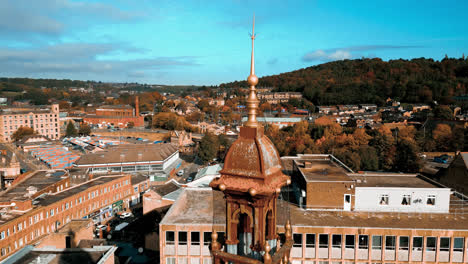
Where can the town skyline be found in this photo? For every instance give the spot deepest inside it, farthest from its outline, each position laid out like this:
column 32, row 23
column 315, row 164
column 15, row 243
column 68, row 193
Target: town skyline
column 188, row 43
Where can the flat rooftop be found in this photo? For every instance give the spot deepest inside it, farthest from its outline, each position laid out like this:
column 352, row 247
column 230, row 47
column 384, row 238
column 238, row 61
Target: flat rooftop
column 129, row 153
column 52, row 198
column 205, row 206
column 323, row 171
column 75, row 225
column 326, row 168
column 318, row 168
column 60, row 256
column 391, row 180
column 195, row 206
column 39, row 179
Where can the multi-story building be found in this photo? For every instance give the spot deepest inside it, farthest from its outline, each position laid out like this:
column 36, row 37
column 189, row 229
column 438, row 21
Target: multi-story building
column 43, row 202
column 330, row 213
column 337, row 216
column 156, row 160
column 72, row 243
column 116, row 115
column 43, row 119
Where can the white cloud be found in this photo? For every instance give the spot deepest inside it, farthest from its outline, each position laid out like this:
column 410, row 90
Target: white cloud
column 321, row 55
column 348, row 52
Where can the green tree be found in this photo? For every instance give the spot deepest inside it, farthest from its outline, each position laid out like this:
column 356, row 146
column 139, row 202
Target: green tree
column 369, row 158
column 21, row 132
column 407, row 159
column 71, row 130
column 84, row 130
column 209, row 146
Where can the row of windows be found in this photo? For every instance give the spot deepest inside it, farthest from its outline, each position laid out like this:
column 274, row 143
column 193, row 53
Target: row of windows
column 406, row 200
column 30, row 121
column 182, row 237
column 65, row 206
column 29, row 116
column 378, row 242
column 183, row 260
column 156, row 167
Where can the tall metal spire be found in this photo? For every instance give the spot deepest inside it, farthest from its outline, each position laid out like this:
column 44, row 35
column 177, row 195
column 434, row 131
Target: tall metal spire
column 252, row 80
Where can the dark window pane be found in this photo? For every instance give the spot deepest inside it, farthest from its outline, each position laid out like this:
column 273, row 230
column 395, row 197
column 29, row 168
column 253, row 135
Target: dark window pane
column 310, row 240
column 404, row 242
column 431, row 244
column 363, row 241
column 170, row 238
column 349, row 242
column 323, row 240
column 390, row 242
column 417, row 243
column 182, row 238
column 195, row 238
column 206, row 237
column 444, row 243
column 336, row 241
column 297, row 240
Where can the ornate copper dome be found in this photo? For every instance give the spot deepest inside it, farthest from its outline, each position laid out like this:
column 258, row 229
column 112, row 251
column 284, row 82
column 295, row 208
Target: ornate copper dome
column 252, row 163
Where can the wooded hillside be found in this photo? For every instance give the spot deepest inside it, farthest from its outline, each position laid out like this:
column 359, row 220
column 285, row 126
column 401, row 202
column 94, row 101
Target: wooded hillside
column 373, row 81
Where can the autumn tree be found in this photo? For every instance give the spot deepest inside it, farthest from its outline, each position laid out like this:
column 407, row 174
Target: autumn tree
column 203, row 105
column 442, row 135
column 84, row 130
column 21, row 132
column 443, row 112
column 182, row 106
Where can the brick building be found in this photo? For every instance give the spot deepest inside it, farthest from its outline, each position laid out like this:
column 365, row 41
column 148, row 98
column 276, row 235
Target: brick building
column 337, row 216
column 116, row 115
column 44, row 120
column 41, row 203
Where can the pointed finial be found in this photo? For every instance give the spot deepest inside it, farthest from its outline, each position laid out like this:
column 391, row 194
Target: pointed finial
column 252, row 80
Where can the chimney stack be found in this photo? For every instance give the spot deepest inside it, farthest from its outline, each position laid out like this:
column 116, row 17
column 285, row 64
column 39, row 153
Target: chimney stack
column 137, row 108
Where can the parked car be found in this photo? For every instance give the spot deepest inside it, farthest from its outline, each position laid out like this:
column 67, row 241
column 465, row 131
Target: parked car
column 190, row 179
column 126, row 215
column 442, row 158
column 180, row 173
column 101, row 227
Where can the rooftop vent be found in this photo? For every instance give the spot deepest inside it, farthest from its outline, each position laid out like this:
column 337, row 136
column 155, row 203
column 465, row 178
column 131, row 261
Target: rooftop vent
column 31, row 190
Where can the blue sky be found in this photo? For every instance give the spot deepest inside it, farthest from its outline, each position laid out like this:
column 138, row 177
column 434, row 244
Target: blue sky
column 207, row 42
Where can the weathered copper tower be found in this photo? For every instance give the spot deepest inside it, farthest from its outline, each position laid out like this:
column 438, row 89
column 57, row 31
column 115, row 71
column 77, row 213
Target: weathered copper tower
column 251, row 181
